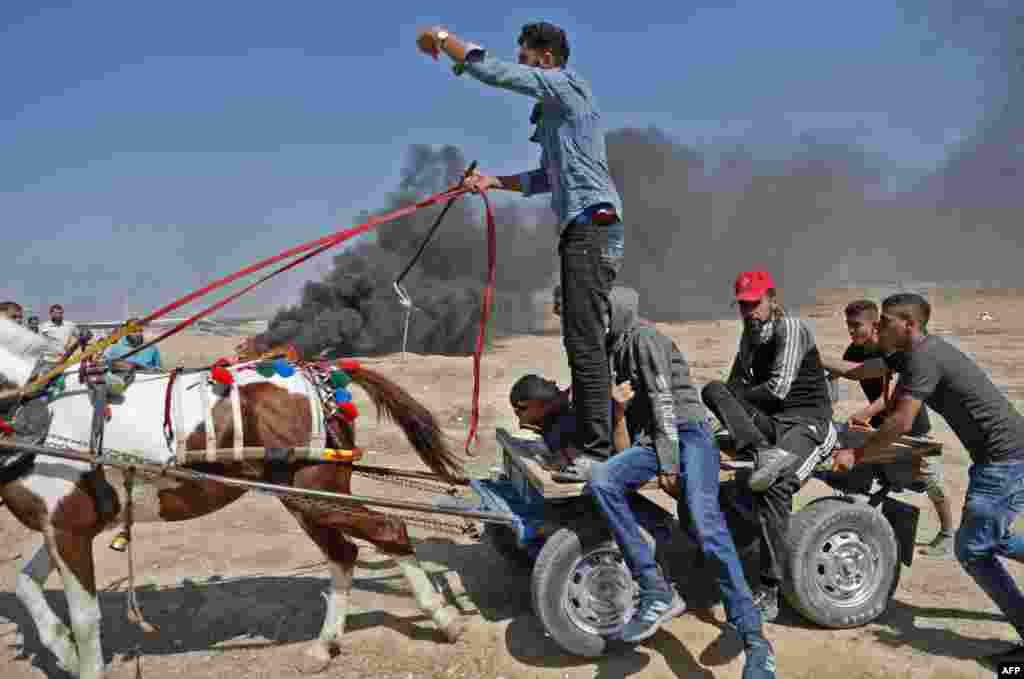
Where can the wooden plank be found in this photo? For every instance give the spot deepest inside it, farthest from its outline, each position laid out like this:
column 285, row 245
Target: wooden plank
column 907, row 447
column 530, row 455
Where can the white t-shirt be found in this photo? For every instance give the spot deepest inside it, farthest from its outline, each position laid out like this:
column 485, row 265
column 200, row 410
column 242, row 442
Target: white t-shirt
column 60, row 334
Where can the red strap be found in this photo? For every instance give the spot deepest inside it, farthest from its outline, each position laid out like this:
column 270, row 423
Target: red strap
column 5, row 427
column 224, row 302
column 485, row 312
column 325, row 242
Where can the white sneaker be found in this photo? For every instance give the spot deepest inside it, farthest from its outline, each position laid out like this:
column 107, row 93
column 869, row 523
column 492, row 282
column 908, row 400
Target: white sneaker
column 580, row 470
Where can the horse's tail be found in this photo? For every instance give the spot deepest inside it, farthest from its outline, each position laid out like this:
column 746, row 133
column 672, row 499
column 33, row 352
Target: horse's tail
column 418, row 423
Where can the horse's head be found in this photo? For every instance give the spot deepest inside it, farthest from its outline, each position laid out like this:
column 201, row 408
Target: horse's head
column 20, row 351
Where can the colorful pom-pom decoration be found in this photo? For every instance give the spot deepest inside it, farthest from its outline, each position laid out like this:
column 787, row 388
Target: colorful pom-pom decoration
column 340, row 379
column 342, row 396
column 222, row 376
column 265, row 369
column 349, row 365
column 283, row 368
column 349, row 410
column 223, row 362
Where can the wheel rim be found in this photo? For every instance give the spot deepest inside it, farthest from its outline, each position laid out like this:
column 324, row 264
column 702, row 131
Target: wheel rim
column 847, row 569
column 600, row 596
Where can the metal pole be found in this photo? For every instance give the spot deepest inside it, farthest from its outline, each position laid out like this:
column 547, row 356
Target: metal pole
column 259, row 486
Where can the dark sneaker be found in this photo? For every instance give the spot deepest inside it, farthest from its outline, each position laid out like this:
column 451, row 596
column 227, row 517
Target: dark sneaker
column 1009, row 657
column 770, row 465
column 760, row 658
column 654, row 609
column 766, row 601
column 939, row 548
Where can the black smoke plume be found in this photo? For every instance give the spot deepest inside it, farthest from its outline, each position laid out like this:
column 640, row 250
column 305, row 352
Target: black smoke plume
column 354, row 310
column 819, row 210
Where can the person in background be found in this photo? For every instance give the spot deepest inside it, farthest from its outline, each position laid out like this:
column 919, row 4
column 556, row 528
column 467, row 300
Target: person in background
column 63, row 333
column 147, row 359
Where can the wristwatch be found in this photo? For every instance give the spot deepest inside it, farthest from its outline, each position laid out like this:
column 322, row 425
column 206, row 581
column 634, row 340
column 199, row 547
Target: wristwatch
column 441, row 36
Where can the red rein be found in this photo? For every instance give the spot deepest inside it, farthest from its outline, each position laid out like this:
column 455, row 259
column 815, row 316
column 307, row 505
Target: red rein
column 313, row 248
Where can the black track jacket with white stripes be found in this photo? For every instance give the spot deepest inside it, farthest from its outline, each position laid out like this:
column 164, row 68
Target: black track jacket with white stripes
column 779, row 370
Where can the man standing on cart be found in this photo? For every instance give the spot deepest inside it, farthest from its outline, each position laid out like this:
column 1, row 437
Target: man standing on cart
column 574, row 171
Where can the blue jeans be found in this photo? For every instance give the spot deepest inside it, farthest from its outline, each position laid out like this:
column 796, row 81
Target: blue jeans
column 995, row 497
column 700, row 461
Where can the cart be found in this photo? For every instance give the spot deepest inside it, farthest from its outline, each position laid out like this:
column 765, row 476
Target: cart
column 843, row 561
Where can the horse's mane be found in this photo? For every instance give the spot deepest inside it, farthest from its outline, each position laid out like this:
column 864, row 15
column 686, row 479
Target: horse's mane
column 20, row 350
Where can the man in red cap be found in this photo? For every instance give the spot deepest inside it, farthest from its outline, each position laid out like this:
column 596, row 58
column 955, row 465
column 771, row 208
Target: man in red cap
column 777, row 409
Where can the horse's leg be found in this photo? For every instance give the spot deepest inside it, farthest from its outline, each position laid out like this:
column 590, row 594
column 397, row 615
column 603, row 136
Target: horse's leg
column 73, row 551
column 388, row 535
column 341, row 561
column 53, row 633
column 447, row 618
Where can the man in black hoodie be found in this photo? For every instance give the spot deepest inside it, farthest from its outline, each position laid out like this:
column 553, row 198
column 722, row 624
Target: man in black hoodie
column 671, row 439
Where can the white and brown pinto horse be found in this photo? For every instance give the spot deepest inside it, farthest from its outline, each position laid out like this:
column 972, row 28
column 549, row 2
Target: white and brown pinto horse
column 58, row 497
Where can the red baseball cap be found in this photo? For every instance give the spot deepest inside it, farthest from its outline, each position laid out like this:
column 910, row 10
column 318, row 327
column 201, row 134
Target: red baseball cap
column 751, row 286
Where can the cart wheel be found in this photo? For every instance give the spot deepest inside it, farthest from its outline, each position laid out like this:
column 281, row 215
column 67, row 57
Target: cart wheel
column 843, row 563
column 583, row 591
column 503, row 540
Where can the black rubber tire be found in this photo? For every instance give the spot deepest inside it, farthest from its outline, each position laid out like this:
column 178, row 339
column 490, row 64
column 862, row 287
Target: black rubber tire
column 503, row 540
column 811, row 529
column 550, row 581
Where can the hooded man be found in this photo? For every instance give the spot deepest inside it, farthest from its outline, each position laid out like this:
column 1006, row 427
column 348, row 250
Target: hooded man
column 670, row 439
column 777, row 408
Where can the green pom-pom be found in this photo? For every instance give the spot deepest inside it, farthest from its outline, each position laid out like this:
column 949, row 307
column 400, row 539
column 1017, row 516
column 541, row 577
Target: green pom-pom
column 265, row 369
column 340, row 379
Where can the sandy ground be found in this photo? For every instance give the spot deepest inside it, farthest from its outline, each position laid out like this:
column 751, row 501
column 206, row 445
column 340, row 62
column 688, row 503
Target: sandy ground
column 236, row 593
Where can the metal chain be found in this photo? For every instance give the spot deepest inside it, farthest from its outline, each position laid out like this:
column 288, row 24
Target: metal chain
column 415, row 484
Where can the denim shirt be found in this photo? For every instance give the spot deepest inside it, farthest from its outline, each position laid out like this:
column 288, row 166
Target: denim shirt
column 574, row 159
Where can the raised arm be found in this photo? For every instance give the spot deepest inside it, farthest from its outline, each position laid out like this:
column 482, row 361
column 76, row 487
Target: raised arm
column 473, row 59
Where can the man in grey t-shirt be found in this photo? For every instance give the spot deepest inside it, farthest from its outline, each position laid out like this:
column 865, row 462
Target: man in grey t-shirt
column 935, row 373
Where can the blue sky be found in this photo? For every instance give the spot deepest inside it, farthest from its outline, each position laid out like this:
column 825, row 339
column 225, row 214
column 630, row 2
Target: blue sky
column 150, row 146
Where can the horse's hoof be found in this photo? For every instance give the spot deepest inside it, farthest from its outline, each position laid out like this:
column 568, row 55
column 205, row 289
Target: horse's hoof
column 314, row 659
column 451, row 623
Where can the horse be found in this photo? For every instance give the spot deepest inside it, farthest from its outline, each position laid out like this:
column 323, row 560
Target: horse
column 61, row 499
